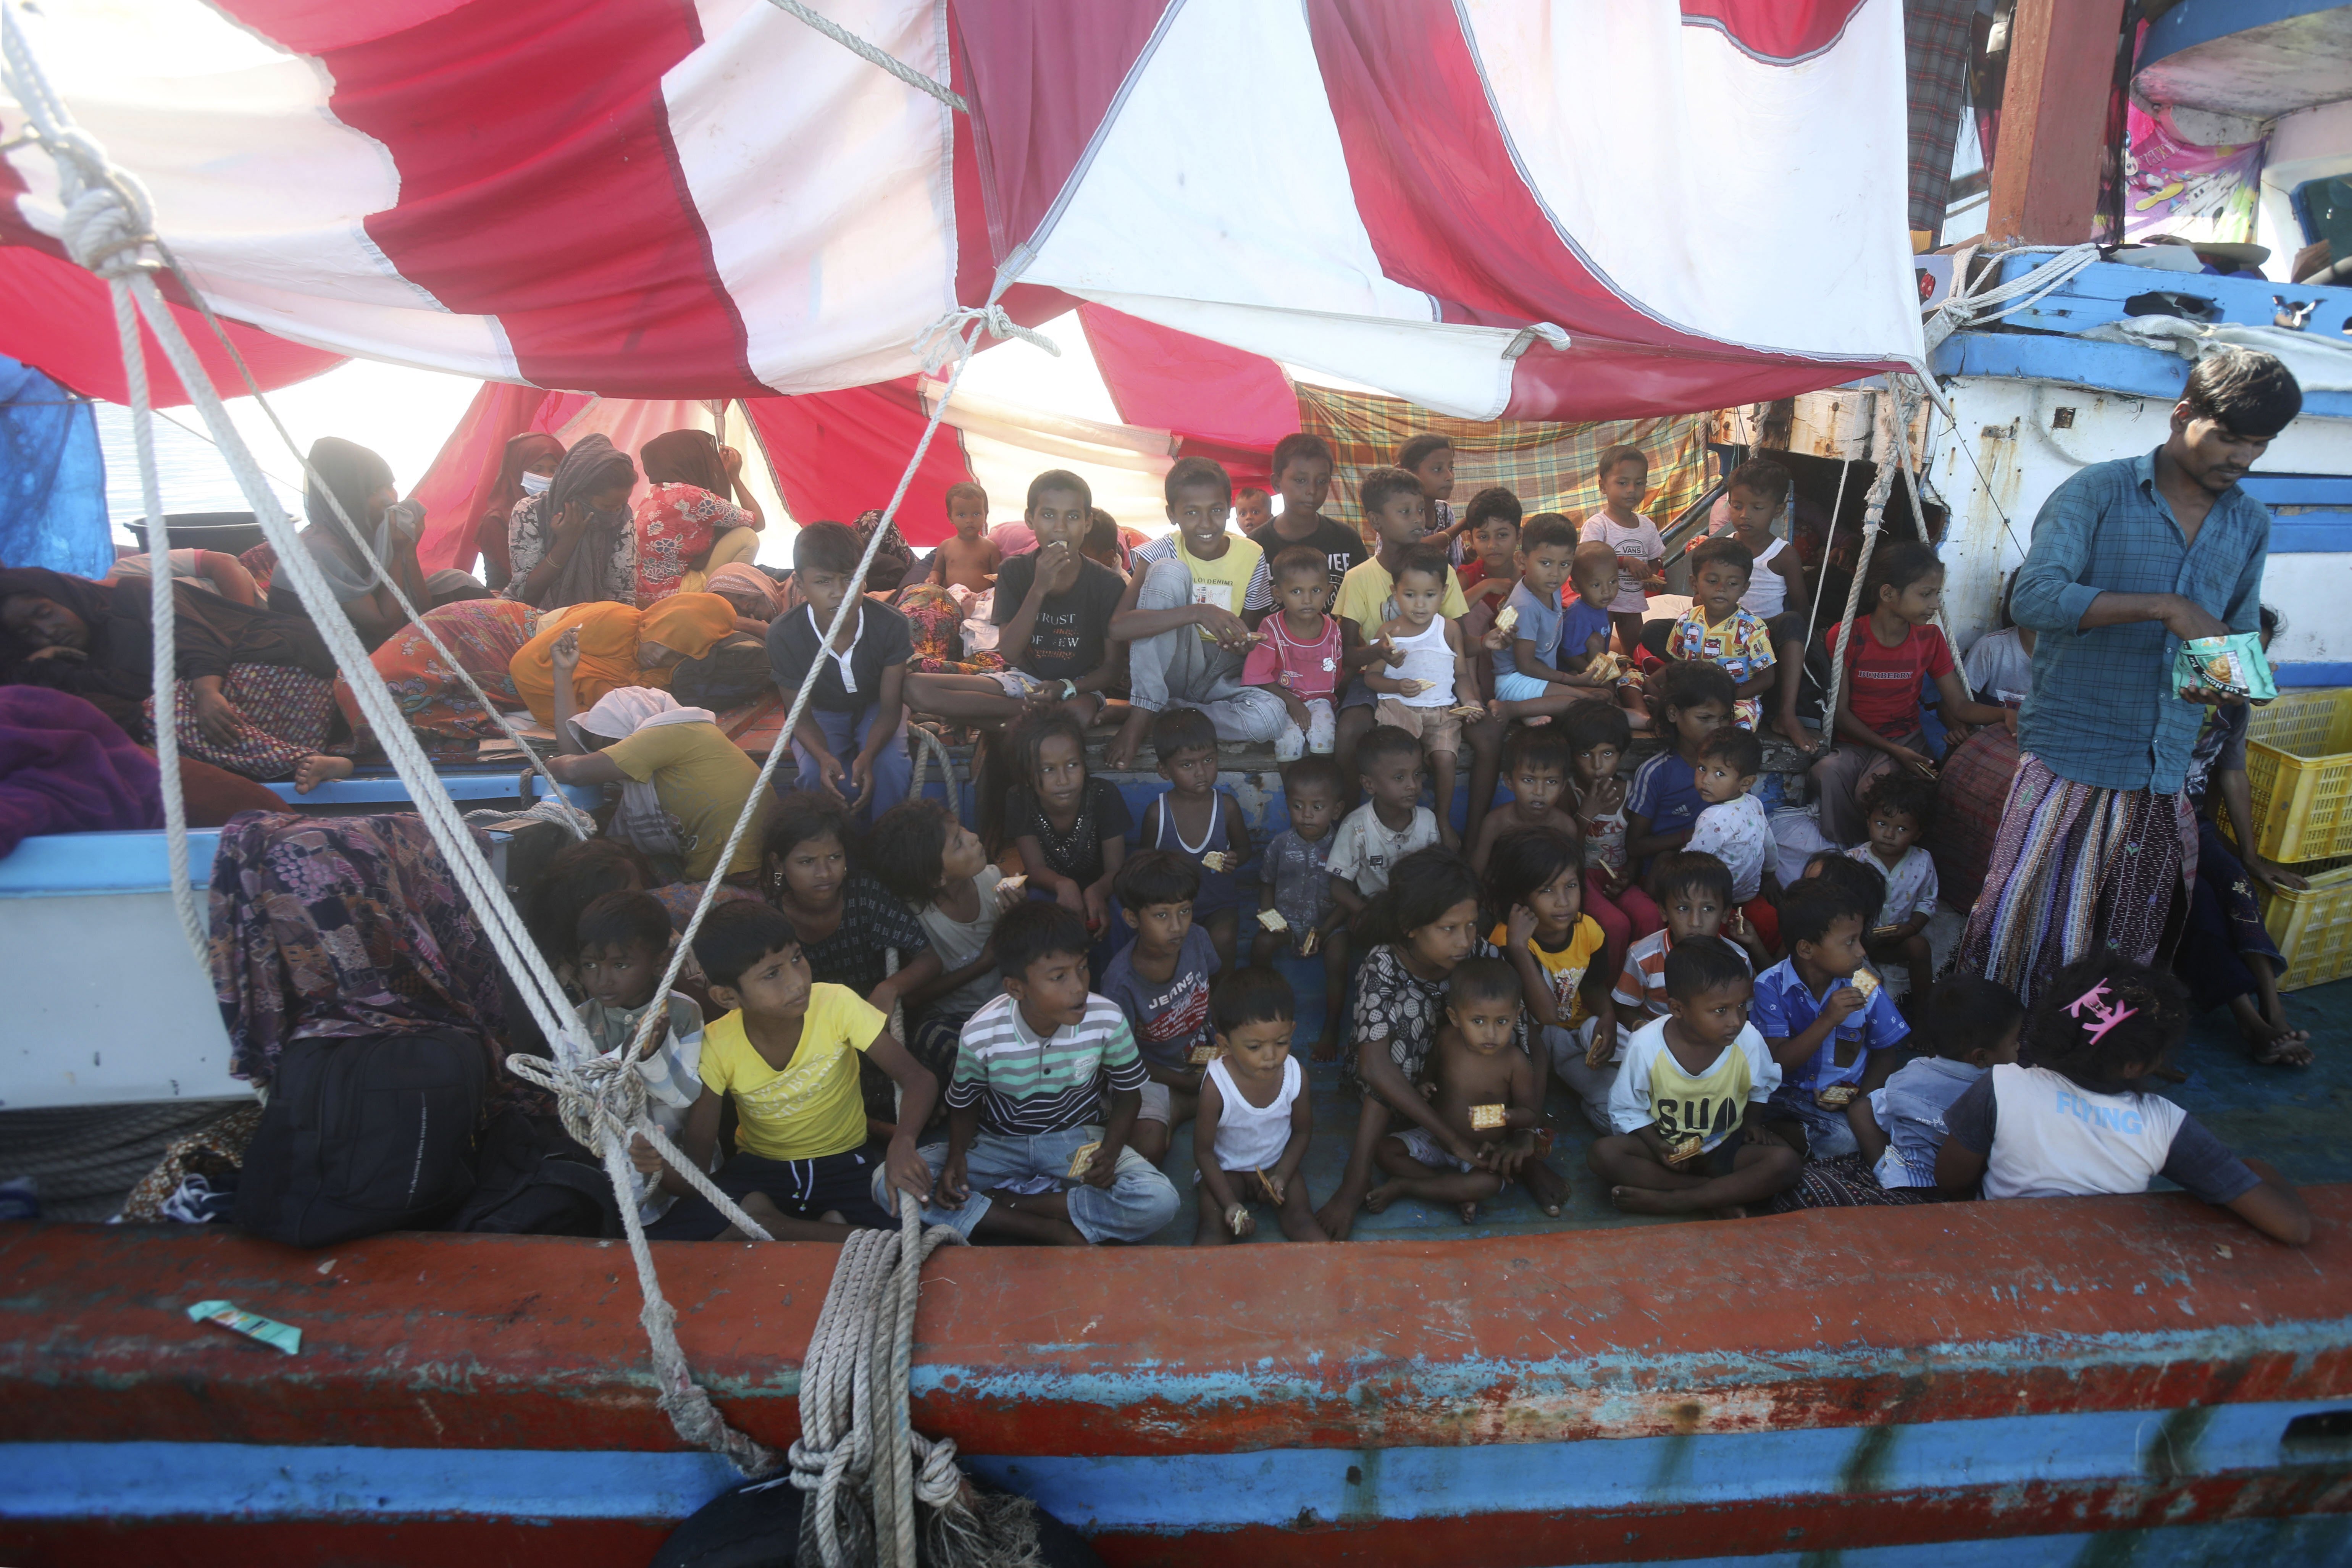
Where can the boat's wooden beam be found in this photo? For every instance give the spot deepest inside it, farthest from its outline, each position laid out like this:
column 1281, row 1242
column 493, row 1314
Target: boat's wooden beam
column 2053, row 117
column 1822, row 1320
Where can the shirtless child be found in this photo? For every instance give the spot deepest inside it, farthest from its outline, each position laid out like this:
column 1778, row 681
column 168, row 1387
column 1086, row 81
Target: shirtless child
column 1485, row 1089
column 967, row 558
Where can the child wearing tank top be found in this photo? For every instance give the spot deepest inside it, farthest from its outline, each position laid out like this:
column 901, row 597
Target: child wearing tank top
column 1200, row 822
column 2071, row 1117
column 1424, row 681
column 1255, row 1118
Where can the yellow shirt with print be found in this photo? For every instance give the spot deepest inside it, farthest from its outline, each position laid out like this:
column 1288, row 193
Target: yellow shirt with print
column 1708, row 1104
column 1224, row 581
column 1566, row 969
column 1367, row 597
column 812, row 1108
column 702, row 777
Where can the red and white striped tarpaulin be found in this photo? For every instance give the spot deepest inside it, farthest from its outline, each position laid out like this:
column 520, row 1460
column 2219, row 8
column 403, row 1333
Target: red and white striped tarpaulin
column 1572, row 210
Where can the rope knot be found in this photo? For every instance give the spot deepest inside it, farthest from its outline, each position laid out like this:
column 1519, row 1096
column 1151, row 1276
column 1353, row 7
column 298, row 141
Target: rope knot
column 953, row 337
column 108, row 222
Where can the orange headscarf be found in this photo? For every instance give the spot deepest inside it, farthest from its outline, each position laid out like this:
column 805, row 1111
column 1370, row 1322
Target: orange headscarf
column 688, row 624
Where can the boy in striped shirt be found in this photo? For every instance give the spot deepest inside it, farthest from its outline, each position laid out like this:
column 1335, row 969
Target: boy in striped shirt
column 1036, row 1071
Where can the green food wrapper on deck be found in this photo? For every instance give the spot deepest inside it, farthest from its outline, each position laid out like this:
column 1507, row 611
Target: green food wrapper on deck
column 2232, row 665
column 251, row 1325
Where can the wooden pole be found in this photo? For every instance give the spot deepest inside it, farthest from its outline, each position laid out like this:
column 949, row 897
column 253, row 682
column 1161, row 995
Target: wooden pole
column 2053, row 119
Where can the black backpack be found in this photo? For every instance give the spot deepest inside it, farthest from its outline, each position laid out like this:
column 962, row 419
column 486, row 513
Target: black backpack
column 533, row 1180
column 363, row 1134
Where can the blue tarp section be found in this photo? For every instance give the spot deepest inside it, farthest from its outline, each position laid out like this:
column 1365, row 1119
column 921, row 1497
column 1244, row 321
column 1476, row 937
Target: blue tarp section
column 52, row 479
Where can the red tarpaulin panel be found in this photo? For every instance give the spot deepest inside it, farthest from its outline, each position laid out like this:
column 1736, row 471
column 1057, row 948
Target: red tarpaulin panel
column 59, row 319
column 839, row 453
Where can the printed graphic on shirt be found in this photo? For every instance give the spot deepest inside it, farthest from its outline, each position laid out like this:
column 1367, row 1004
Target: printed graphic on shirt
column 1711, row 1117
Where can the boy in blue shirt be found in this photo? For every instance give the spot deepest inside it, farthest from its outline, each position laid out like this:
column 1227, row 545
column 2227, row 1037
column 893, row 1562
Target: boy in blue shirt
column 1826, row 1018
column 1160, row 981
column 1528, row 680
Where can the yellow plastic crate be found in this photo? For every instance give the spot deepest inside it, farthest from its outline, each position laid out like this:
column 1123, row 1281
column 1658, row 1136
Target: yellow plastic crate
column 2299, row 769
column 2313, row 929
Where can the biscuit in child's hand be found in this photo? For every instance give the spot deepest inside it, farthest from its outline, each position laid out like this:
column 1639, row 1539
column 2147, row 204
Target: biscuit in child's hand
column 1864, row 981
column 1508, row 618
column 1272, row 920
column 1836, row 1097
column 1204, row 1053
column 1082, row 1159
column 1486, row 1118
column 1684, row 1152
column 1014, row 882
column 1214, row 860
column 1308, row 943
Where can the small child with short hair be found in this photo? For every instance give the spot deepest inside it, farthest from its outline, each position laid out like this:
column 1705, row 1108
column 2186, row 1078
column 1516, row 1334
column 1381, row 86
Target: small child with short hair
column 1160, row 981
column 1390, row 825
column 1198, row 820
column 1433, row 688
column 1536, row 888
column 1255, row 1118
column 1047, row 1086
column 1397, row 512
column 1491, row 526
column 1428, row 458
column 1597, row 736
column 1536, row 766
column 967, row 558
column 1734, row 827
column 1900, row 808
column 787, row 1055
column 1483, row 1088
column 623, row 946
column 1695, row 894
column 1252, row 508
column 1296, row 871
column 1527, row 684
column 1624, row 474
column 923, row 855
column 1299, row 653
column 1968, row 1026
column 1689, row 1086
column 1586, row 631
column 2071, row 1118
column 1104, row 545
column 1662, row 807
column 1716, row 629
column 1831, row 1026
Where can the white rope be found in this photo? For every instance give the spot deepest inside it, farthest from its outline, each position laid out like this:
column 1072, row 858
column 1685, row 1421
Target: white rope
column 1896, row 405
column 1965, row 306
column 1813, row 611
column 871, row 53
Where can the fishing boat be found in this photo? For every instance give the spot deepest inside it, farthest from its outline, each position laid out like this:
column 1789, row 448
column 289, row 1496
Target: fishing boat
column 2123, row 1379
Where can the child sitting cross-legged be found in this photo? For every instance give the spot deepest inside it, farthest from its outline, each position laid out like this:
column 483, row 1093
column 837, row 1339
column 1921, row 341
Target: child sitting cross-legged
column 1255, row 1118
column 623, row 946
column 1391, row 824
column 1529, row 684
column 1047, row 1084
column 1198, row 820
column 1900, row 807
column 1694, row 892
column 1831, row 1026
column 2071, row 1116
column 1299, row 653
column 939, row 867
column 1735, row 828
column 1537, row 884
column 1483, row 1088
column 1298, row 880
column 1717, row 631
column 1424, row 680
column 1968, row 1026
column 787, row 1055
column 1160, row 981
column 1689, row 1096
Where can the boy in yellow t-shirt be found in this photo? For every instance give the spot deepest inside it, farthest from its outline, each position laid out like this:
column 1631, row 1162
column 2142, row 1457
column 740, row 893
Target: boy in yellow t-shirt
column 787, row 1054
column 1684, row 1094
column 1190, row 616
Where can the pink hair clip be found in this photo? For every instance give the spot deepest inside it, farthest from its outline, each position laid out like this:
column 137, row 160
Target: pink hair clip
column 2103, row 1017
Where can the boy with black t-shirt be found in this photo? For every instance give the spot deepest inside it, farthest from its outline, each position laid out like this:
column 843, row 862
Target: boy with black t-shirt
column 1302, row 473
column 1054, row 606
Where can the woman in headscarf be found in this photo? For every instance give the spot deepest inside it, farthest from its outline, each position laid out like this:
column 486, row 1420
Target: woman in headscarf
column 527, row 469
column 344, row 927
column 752, row 592
column 892, row 562
column 685, row 526
column 620, row 645
column 256, row 692
column 349, row 474
column 574, row 545
column 683, row 782
column 484, row 635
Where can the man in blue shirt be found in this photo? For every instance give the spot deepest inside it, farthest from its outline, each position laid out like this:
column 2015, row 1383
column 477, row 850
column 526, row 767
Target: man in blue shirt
column 2129, row 559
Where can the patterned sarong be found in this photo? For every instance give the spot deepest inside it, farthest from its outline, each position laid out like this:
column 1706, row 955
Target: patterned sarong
column 2077, row 866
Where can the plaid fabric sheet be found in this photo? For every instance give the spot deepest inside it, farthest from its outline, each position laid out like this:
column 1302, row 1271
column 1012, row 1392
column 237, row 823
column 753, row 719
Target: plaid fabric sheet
column 1548, row 467
column 1935, row 79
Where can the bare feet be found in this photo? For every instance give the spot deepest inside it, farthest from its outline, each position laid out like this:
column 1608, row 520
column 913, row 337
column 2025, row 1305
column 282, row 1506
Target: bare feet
column 1647, row 1201
column 1338, row 1216
column 317, row 770
column 1469, row 1213
column 2273, row 1045
column 1120, row 753
column 1327, row 1045
column 1378, row 1199
column 1733, row 1212
column 1809, row 746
